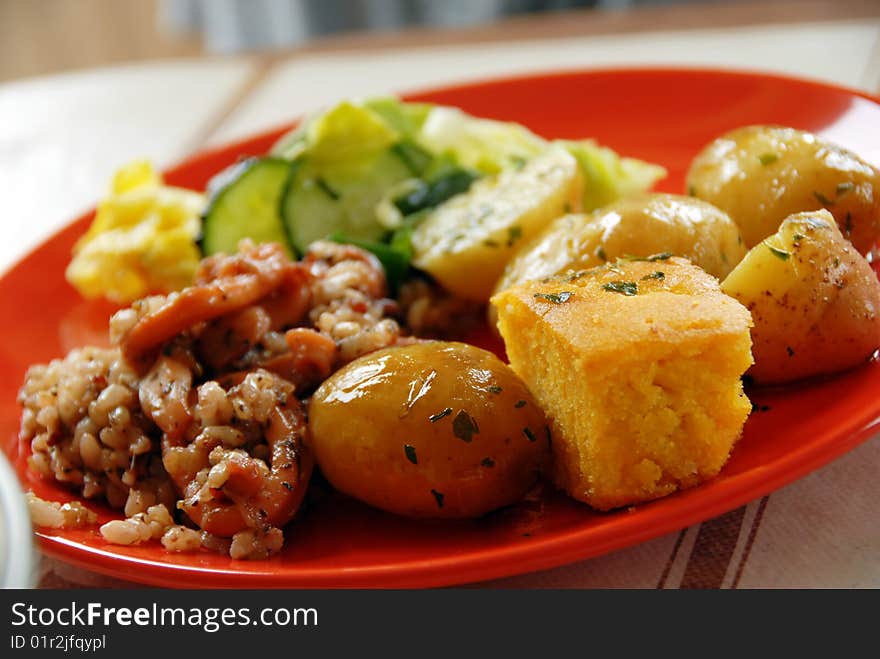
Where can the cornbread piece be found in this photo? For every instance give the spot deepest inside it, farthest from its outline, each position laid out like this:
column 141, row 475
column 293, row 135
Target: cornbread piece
column 637, row 366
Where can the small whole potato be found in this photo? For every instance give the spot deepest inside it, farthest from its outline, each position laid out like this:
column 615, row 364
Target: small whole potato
column 639, row 226
column 814, row 300
column 760, row 175
column 433, row 429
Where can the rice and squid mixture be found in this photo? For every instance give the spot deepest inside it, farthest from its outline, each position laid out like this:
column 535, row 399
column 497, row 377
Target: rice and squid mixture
column 193, row 423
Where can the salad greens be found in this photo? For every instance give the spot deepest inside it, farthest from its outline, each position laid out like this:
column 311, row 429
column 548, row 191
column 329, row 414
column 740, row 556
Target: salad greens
column 368, row 172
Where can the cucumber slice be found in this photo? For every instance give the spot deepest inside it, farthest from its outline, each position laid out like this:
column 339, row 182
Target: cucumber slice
column 318, row 203
column 246, row 205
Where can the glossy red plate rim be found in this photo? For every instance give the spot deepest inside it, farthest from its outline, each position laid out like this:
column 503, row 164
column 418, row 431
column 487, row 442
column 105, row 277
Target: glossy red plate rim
column 656, row 518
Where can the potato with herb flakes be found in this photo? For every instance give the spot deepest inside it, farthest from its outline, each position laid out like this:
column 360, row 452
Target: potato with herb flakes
column 760, row 175
column 641, row 225
column 465, row 242
column 433, row 429
column 814, row 299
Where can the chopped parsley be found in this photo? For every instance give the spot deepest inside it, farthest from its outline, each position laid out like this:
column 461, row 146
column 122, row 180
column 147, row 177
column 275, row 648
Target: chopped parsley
column 464, row 426
column 655, row 275
column 529, row 434
column 491, row 243
column 825, row 201
column 662, row 256
column 627, row 288
column 600, row 252
column 513, row 234
column 410, row 452
column 555, row 298
column 520, row 403
column 495, row 389
column 778, row 253
column 843, row 188
column 487, row 462
column 438, row 497
column 768, row 158
column 436, row 417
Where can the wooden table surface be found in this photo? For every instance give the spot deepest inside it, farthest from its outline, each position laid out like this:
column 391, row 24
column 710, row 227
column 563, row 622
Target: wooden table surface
column 62, row 136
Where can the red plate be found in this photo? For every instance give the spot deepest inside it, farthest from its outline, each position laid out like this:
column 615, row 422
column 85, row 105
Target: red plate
column 664, row 116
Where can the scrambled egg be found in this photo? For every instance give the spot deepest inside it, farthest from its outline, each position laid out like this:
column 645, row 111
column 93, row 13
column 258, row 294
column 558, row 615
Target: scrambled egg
column 142, row 240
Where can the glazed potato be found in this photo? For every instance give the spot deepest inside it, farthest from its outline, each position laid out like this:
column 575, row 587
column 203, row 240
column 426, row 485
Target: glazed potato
column 433, row 429
column 814, row 300
column 760, row 175
column 641, row 226
column 466, row 242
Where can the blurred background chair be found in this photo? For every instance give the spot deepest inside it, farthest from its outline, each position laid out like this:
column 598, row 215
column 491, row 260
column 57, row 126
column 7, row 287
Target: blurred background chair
column 236, row 25
column 45, row 36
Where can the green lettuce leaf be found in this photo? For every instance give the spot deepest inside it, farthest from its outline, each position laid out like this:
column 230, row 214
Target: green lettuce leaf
column 607, row 176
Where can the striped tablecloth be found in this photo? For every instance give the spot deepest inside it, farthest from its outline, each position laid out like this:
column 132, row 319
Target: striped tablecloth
column 62, row 136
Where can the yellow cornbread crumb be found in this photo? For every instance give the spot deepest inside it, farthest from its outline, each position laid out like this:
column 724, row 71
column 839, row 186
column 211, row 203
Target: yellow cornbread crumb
column 637, row 366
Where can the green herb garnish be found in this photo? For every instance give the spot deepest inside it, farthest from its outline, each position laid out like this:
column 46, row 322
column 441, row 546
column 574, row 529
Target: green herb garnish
column 600, row 252
column 520, row 403
column 436, row 417
column 529, row 434
column 464, row 426
column 487, row 462
column 654, row 275
column 410, row 452
column 825, row 201
column 843, row 188
column 768, row 158
column 438, row 497
column 513, row 234
column 662, row 256
column 778, row 253
column 495, row 389
column 555, row 298
column 627, row 288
